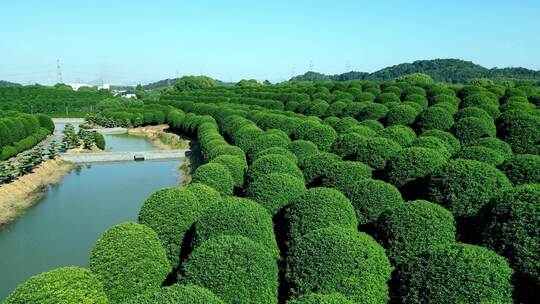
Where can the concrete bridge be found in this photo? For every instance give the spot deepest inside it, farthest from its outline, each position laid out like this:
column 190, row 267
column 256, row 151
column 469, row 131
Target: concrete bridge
column 124, row 156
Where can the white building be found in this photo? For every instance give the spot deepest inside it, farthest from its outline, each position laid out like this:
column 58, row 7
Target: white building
column 77, row 86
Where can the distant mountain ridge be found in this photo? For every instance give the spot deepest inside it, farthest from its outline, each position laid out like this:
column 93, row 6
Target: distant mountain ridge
column 5, row 84
column 441, row 70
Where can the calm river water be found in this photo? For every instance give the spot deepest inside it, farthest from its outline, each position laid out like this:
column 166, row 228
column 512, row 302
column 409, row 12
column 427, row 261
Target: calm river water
column 62, row 228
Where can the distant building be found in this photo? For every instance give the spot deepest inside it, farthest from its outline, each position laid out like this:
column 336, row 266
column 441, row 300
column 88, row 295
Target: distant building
column 105, row 86
column 77, row 86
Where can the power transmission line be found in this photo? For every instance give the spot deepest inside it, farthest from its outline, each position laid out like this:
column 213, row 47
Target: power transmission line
column 58, row 72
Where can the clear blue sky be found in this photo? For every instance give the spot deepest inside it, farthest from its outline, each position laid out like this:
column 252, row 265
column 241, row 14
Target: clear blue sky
column 141, row 41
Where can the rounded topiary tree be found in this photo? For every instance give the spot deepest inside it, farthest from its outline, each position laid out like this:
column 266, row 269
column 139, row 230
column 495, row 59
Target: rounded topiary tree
column 347, row 145
column 372, row 197
column 376, row 151
column 317, row 166
column 273, row 163
column 473, row 112
column 447, row 137
column 410, row 167
column 401, row 115
column 435, row 143
column 319, row 208
column 323, row 136
column 265, row 141
column 129, row 259
column 373, row 111
column 521, row 131
column 302, row 149
column 434, row 118
column 234, row 268
column 340, row 174
column 480, row 153
column 226, row 150
column 470, row 128
column 465, row 186
column 494, row 143
column 361, row 130
column 206, row 195
column 237, row 167
column 403, row 135
column 277, row 150
column 458, row 273
column 215, row 175
column 275, row 190
column 414, row 227
column 512, row 229
column 178, row 294
column 237, row 216
column 372, row 124
column 171, row 212
column 61, row 285
column 522, row 169
column 318, row 298
column 339, row 260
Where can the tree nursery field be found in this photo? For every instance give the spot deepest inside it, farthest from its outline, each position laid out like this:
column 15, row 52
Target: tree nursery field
column 404, row 191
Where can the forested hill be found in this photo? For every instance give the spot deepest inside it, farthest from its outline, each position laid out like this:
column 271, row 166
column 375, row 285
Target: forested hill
column 5, row 84
column 441, row 70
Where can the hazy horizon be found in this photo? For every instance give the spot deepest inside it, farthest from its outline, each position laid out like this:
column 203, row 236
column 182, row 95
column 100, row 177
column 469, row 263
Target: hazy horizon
column 126, row 43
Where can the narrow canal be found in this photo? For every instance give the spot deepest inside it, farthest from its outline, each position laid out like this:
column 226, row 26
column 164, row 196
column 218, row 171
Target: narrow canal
column 61, row 229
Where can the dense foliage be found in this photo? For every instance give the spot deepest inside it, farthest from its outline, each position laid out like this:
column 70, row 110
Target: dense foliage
column 312, row 192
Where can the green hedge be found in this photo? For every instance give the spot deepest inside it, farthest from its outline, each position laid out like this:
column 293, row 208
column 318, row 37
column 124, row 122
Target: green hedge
column 403, row 135
column 61, row 285
column 434, row 118
column 522, row 169
column 216, row 176
column 236, row 165
column 512, row 228
column 339, row 260
column 323, row 136
column 465, row 186
column 234, row 268
column 171, row 212
column 273, row 163
column 414, row 227
column 342, row 173
column 494, row 143
column 458, row 273
column 521, row 131
column 411, row 165
column 277, row 150
column 447, row 137
column 401, row 115
column 99, row 140
column 302, row 149
column 371, row 198
column 435, row 143
column 347, row 145
column 470, row 128
column 178, row 294
column 275, row 190
column 317, row 166
column 318, row 208
column 237, row 216
column 206, row 195
column 480, row 153
column 129, row 259
column 317, row 298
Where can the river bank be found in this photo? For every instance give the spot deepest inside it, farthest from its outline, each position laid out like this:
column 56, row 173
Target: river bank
column 160, row 138
column 25, row 191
